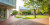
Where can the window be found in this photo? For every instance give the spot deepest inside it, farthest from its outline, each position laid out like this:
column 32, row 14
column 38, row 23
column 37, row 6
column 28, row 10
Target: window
column 14, row 2
column 11, row 1
column 6, row 0
column 2, row 12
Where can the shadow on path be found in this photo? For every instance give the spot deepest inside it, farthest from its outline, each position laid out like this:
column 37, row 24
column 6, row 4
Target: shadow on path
column 15, row 21
column 27, row 22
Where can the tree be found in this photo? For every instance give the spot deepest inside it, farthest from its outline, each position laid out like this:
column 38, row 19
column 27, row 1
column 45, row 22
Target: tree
column 33, row 4
column 49, row 9
column 45, row 5
column 42, row 5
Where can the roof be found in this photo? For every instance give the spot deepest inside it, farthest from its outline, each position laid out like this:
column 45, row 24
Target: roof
column 10, row 3
column 24, row 8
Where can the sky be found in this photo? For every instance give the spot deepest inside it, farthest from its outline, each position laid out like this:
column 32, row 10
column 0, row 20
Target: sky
column 19, row 3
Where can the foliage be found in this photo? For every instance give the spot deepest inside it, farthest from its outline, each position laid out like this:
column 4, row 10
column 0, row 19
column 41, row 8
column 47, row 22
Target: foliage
column 26, row 12
column 29, row 12
column 44, row 6
column 31, row 3
column 36, row 3
column 49, row 9
column 15, row 12
column 23, row 12
column 20, row 13
column 45, row 11
column 38, row 11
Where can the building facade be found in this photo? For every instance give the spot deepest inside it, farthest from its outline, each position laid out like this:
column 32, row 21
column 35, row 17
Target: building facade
column 6, row 6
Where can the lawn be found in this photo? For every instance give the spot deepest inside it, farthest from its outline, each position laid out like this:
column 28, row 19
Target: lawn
column 31, row 16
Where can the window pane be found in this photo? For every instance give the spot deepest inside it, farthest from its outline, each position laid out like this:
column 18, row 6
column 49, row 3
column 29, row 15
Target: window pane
column 11, row 1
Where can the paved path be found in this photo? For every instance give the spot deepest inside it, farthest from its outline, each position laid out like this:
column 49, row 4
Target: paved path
column 15, row 21
column 49, row 20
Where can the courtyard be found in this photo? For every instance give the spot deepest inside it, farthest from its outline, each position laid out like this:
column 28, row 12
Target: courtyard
column 15, row 21
column 24, row 12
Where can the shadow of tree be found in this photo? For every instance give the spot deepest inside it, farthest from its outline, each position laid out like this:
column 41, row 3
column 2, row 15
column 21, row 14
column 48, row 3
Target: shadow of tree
column 27, row 22
column 14, row 21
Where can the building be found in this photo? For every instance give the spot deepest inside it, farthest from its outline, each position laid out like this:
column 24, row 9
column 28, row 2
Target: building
column 6, row 6
column 26, row 9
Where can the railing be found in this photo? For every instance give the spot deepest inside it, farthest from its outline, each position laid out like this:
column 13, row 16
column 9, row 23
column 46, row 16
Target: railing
column 9, row 2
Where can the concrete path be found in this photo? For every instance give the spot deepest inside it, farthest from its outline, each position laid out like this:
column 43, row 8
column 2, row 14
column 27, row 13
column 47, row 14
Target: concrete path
column 15, row 21
column 49, row 20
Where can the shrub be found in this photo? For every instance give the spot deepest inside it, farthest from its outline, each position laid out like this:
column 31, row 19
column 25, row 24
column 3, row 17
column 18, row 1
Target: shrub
column 20, row 13
column 15, row 12
column 38, row 12
column 26, row 12
column 29, row 12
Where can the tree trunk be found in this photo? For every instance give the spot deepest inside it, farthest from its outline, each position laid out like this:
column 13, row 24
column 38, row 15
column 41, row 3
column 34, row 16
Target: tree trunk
column 35, row 13
column 49, row 11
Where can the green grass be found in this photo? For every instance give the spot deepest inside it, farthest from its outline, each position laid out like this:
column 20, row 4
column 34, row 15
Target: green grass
column 20, row 16
column 32, row 16
column 38, row 16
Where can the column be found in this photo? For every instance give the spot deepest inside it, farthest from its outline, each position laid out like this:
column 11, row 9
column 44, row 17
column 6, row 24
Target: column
column 7, row 14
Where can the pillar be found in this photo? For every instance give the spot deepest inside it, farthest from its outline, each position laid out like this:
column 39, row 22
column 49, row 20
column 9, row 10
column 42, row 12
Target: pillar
column 8, row 14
